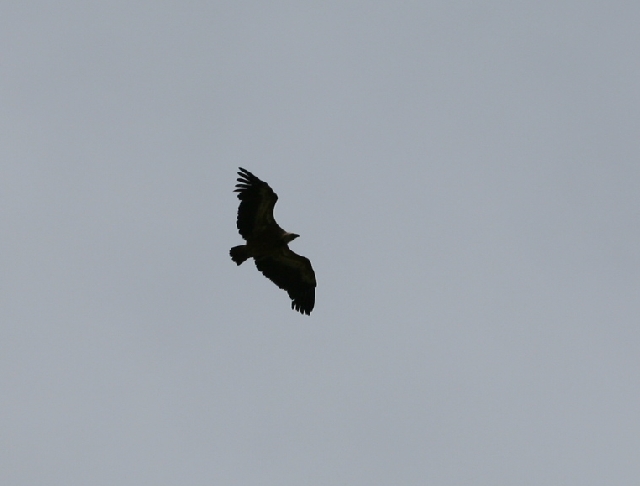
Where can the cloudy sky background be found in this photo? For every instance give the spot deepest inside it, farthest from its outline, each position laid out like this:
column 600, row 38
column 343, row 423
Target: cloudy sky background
column 466, row 180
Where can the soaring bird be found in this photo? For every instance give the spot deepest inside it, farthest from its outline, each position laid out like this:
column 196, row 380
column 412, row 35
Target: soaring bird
column 267, row 243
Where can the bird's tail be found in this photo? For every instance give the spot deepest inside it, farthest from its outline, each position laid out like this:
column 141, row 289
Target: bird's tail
column 239, row 254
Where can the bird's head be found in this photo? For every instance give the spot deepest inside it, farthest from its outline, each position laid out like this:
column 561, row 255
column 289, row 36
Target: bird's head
column 290, row 237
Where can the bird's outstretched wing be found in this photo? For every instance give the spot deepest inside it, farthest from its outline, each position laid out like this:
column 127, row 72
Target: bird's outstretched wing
column 293, row 273
column 257, row 200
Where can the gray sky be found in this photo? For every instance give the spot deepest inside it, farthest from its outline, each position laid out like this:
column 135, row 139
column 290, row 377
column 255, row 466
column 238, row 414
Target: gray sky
column 466, row 180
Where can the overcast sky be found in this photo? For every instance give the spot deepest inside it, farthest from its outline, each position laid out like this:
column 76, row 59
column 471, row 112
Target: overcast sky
column 466, row 180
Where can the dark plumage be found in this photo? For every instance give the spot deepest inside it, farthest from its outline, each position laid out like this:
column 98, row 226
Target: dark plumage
column 267, row 243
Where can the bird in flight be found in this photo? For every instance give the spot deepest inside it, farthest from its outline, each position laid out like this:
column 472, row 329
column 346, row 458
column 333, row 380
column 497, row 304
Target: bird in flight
column 267, row 243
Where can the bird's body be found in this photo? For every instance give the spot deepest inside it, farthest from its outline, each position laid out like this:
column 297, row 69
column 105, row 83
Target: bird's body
column 267, row 243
